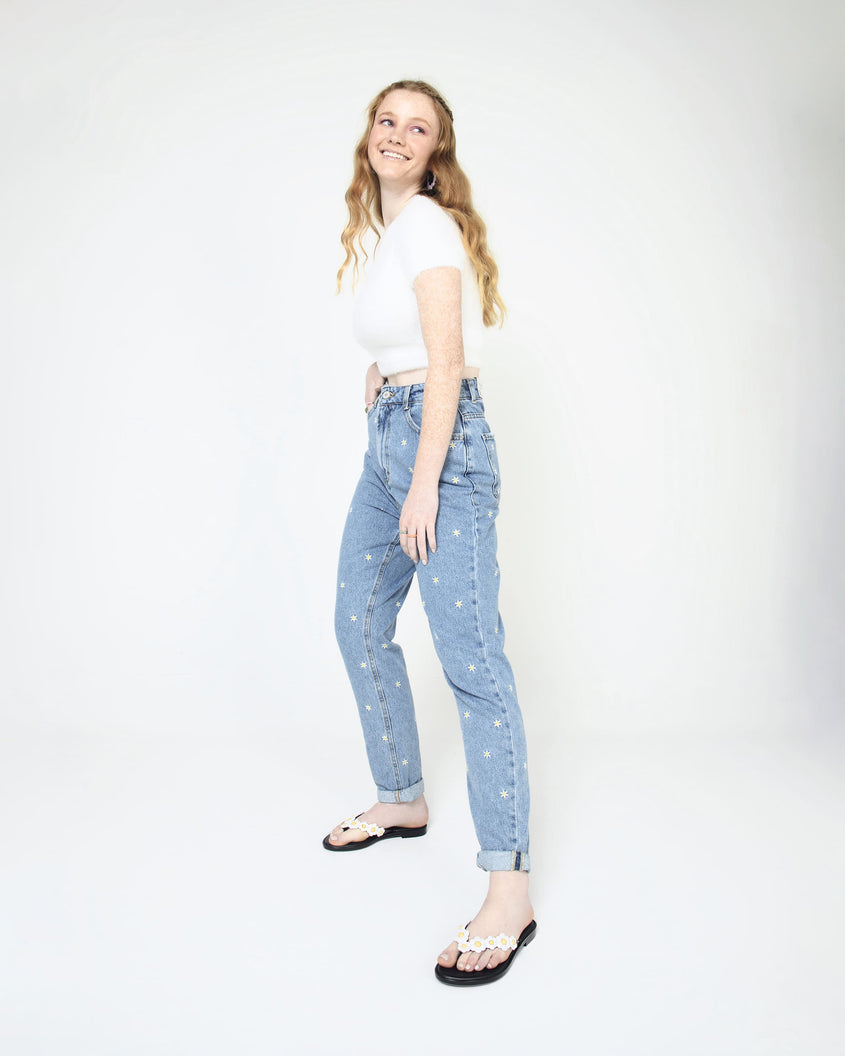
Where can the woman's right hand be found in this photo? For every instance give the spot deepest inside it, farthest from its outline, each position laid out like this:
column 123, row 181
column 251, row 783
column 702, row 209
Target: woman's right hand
column 373, row 382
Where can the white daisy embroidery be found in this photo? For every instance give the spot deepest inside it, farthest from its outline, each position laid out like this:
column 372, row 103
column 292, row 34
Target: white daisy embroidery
column 435, row 579
column 369, row 557
column 384, row 736
column 353, row 618
column 398, row 685
column 363, row 663
column 459, row 604
column 342, row 585
column 404, row 443
column 486, row 755
column 452, row 445
column 466, row 714
column 404, row 762
column 456, row 532
column 510, row 688
column 369, row 707
column 497, row 723
column 471, row 667
column 384, row 645
column 454, row 480
column 503, row 794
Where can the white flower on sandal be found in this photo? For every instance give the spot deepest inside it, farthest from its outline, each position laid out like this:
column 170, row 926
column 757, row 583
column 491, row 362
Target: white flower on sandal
column 477, row 944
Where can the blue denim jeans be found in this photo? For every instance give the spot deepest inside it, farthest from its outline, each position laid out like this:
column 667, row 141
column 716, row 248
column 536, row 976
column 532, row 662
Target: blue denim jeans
column 459, row 588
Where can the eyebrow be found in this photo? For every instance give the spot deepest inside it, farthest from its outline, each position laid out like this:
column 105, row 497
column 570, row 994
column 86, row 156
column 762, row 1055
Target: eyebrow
column 389, row 113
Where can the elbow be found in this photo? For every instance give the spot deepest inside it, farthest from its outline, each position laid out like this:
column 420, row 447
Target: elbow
column 448, row 362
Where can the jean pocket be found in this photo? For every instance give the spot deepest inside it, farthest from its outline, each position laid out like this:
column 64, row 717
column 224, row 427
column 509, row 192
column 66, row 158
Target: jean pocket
column 490, row 447
column 413, row 416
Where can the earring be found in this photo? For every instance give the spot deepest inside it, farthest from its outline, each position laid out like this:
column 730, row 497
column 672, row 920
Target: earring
column 430, row 181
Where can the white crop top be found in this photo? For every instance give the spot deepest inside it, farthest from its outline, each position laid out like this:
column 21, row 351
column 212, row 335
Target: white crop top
column 386, row 319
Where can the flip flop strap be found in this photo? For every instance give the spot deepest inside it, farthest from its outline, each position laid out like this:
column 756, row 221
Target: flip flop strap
column 477, row 945
column 356, row 823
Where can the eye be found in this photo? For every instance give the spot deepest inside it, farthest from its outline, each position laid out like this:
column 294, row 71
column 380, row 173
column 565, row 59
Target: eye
column 416, row 128
column 385, row 121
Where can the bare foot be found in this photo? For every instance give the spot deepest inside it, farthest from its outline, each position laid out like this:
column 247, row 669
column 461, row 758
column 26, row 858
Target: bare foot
column 507, row 909
column 407, row 815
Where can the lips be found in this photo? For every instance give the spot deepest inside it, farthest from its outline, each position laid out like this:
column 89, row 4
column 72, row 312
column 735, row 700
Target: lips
column 393, row 155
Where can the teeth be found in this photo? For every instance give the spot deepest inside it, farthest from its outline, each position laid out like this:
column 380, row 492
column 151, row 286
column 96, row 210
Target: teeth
column 390, row 154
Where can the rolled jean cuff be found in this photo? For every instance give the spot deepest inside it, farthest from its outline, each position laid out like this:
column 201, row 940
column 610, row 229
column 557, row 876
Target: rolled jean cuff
column 401, row 795
column 503, row 861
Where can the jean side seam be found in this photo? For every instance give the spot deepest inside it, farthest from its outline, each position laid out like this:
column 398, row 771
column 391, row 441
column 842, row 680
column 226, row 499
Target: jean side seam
column 480, row 635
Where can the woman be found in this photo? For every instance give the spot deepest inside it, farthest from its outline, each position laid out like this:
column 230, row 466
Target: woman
column 426, row 503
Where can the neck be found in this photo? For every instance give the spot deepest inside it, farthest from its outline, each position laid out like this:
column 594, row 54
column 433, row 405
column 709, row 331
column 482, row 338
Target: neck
column 393, row 201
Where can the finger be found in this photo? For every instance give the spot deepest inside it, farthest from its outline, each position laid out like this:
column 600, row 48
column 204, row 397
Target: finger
column 412, row 538
column 423, row 539
column 430, row 537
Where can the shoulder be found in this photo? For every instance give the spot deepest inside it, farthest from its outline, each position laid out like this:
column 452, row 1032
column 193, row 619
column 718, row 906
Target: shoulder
column 424, row 211
column 429, row 237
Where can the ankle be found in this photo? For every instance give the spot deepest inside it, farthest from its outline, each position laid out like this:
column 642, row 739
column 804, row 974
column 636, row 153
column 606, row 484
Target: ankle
column 511, row 883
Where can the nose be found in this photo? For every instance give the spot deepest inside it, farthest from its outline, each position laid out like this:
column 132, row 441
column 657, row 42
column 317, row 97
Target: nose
column 395, row 136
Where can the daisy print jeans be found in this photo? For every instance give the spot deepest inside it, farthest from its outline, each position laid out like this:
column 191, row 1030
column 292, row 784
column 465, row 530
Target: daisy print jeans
column 459, row 588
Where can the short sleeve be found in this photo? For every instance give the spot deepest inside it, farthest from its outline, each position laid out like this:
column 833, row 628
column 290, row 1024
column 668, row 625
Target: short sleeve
column 429, row 239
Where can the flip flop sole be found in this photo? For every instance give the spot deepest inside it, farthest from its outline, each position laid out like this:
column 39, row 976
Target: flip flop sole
column 453, row 977
column 392, row 833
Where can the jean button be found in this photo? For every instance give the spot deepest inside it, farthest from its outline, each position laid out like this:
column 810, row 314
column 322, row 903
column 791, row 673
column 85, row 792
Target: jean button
column 387, row 395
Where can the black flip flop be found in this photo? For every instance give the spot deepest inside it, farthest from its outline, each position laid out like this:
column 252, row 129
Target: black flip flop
column 453, row 977
column 394, row 831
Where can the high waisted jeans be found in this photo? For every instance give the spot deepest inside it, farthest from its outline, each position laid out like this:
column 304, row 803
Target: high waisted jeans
column 459, row 588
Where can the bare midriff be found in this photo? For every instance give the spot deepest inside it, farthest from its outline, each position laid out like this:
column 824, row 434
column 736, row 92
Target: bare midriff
column 417, row 377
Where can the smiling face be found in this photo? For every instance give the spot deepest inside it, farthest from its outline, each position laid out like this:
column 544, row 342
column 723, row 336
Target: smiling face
column 403, row 138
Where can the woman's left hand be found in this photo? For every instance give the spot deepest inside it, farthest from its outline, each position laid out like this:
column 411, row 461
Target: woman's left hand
column 418, row 517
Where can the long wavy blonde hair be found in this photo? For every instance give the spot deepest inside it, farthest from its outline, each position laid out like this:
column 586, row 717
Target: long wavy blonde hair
column 451, row 191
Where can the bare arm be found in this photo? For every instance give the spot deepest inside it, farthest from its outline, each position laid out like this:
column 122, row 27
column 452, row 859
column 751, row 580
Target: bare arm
column 438, row 293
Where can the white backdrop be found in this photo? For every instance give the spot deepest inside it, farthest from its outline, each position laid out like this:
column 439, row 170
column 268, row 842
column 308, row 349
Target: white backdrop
column 181, row 397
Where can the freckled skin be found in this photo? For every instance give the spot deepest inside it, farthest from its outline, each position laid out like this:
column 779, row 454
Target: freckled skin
column 438, row 292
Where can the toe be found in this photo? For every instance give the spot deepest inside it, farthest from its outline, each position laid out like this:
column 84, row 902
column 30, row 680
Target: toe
column 467, row 961
column 483, row 961
column 449, row 956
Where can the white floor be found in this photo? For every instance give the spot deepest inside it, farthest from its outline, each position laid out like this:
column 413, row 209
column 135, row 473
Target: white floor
column 172, row 897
